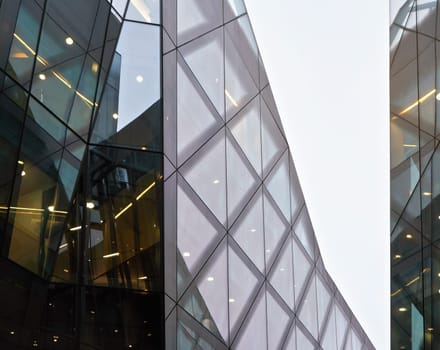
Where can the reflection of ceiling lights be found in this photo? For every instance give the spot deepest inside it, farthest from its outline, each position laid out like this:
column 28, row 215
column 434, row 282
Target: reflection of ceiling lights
column 20, row 162
column 403, row 309
column 90, row 205
column 232, row 300
column 51, row 208
column 231, row 99
column 139, row 78
column 115, row 116
column 69, row 41
column 409, row 235
column 23, row 173
column 427, row 193
column 186, row 254
column 143, row 9
column 397, row 256
column 142, row 278
column 210, row 279
column 253, row 230
column 409, row 145
column 420, row 100
column 111, row 255
column 42, row 76
column 215, row 182
column 76, row 228
column 95, row 67
column 437, row 97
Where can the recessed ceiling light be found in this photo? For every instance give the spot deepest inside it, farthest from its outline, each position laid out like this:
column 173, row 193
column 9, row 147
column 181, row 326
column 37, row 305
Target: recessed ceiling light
column 66, row 270
column 267, row 250
column 186, row 254
column 69, row 41
column 51, row 208
column 437, row 97
column 210, row 279
column 12, row 332
column 253, row 230
column 143, row 148
column 143, row 278
column 430, row 329
column 403, row 309
column 23, row 173
column 427, row 193
column 397, row 256
column 409, row 235
column 42, row 76
column 115, row 116
column 90, row 205
column 20, row 162
column 232, row 300
column 139, row 78
column 216, row 181
column 282, row 269
column 410, row 145
column 95, row 67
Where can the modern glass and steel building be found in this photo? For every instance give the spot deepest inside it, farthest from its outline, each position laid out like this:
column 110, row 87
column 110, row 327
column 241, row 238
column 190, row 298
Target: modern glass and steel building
column 415, row 175
column 148, row 198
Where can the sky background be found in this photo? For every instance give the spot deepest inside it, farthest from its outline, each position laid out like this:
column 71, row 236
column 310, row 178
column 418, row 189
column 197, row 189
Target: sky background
column 327, row 63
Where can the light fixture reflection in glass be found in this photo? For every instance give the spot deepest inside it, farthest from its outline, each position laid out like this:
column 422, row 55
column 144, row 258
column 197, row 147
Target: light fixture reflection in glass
column 427, row 193
column 437, row 97
column 397, row 256
column 90, row 205
column 186, row 254
column 409, row 145
column 253, row 230
column 23, row 173
column 111, row 255
column 409, row 235
column 215, row 182
column 115, row 116
column 143, row 278
column 42, row 76
column 20, row 162
column 210, row 279
column 403, row 309
column 51, row 208
column 139, row 78
column 69, row 41
column 232, row 300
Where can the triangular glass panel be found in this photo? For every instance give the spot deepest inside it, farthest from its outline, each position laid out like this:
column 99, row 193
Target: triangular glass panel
column 270, row 102
column 233, row 8
column 302, row 341
column 273, row 143
column 277, row 321
column 167, row 43
column 301, row 268
column 240, row 86
column 193, row 247
column 248, row 231
column 196, row 118
column 208, row 48
column 263, row 76
column 191, row 335
column 246, row 130
column 308, row 313
column 168, row 168
column 207, row 298
column 282, row 274
column 242, row 180
column 169, row 305
column 323, row 298
column 304, row 231
column 355, row 341
column 278, row 185
column 242, row 287
column 196, row 17
column 296, row 196
column 341, row 326
column 253, row 333
column 329, row 339
column 120, row 6
column 348, row 342
column 275, row 229
column 205, row 172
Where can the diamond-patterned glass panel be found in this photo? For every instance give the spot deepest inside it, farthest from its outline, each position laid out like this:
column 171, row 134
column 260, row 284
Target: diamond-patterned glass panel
column 301, row 268
column 246, row 130
column 282, row 274
column 308, row 312
column 302, row 341
column 277, row 183
column 304, row 231
column 205, row 172
column 248, row 231
column 208, row 48
column 329, row 339
column 323, row 299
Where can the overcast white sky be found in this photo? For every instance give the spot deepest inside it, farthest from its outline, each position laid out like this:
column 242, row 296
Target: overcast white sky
column 327, row 62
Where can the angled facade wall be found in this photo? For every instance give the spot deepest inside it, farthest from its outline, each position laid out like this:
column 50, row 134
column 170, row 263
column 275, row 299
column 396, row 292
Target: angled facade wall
column 149, row 199
column 415, row 185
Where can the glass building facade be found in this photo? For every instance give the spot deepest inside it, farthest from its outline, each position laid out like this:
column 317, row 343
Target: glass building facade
column 415, row 171
column 148, row 197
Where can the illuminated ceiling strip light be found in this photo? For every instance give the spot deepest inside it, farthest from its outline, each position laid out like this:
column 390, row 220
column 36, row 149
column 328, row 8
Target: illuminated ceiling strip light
column 142, row 278
column 414, row 280
column 409, row 145
column 76, row 228
column 59, row 212
column 64, row 245
column 62, row 79
column 24, row 44
column 123, row 210
column 396, row 292
column 111, row 255
column 228, row 95
column 145, row 191
column 85, row 99
column 22, row 208
column 420, row 100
